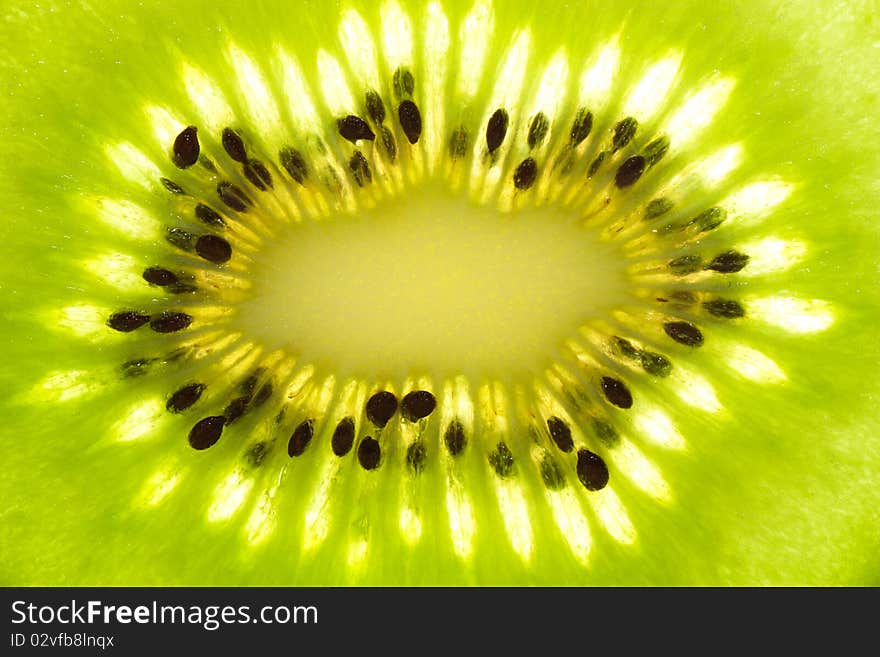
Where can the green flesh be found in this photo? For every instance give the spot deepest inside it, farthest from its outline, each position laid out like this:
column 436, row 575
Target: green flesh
column 774, row 484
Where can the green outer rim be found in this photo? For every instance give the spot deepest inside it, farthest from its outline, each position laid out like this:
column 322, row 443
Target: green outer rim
column 793, row 499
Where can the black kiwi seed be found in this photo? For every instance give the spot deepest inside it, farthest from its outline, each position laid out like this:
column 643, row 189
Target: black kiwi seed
column 591, row 470
column 214, row 249
column 560, row 432
column 236, row 408
column 300, row 438
column 630, row 171
column 186, row 148
column 263, row 394
column 709, row 219
column 538, row 129
column 454, row 438
column 209, row 216
column 725, row 308
column 417, row 404
column 206, row 432
column 184, row 397
column 127, row 321
column 388, row 143
column 624, row 131
column 170, row 322
column 581, row 127
column 294, row 163
column 656, row 150
column 525, row 174
column 501, row 460
column 381, row 407
column 159, row 276
column 551, row 473
column 180, row 238
column 496, row 129
column 416, row 455
column 343, row 437
column 686, row 264
column 728, row 262
column 375, row 107
column 369, row 453
column 248, row 385
column 258, row 174
column 360, row 169
column 410, row 120
column 616, row 392
column 655, row 364
column 404, row 83
column 684, row 333
column 353, row 128
column 172, row 186
column 233, row 145
column 596, row 164
column 233, row 196
column 657, row 208
column 458, row 143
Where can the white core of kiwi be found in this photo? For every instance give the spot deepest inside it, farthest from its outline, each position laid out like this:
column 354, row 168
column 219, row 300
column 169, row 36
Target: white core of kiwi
column 434, row 283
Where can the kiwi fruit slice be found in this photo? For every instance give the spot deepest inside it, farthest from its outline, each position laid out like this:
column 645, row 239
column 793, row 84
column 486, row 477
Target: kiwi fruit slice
column 453, row 292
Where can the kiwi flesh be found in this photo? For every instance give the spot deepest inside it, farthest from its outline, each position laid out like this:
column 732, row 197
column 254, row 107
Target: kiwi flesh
column 184, row 407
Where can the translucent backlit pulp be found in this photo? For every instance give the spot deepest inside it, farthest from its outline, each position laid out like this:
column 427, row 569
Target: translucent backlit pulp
column 433, row 283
